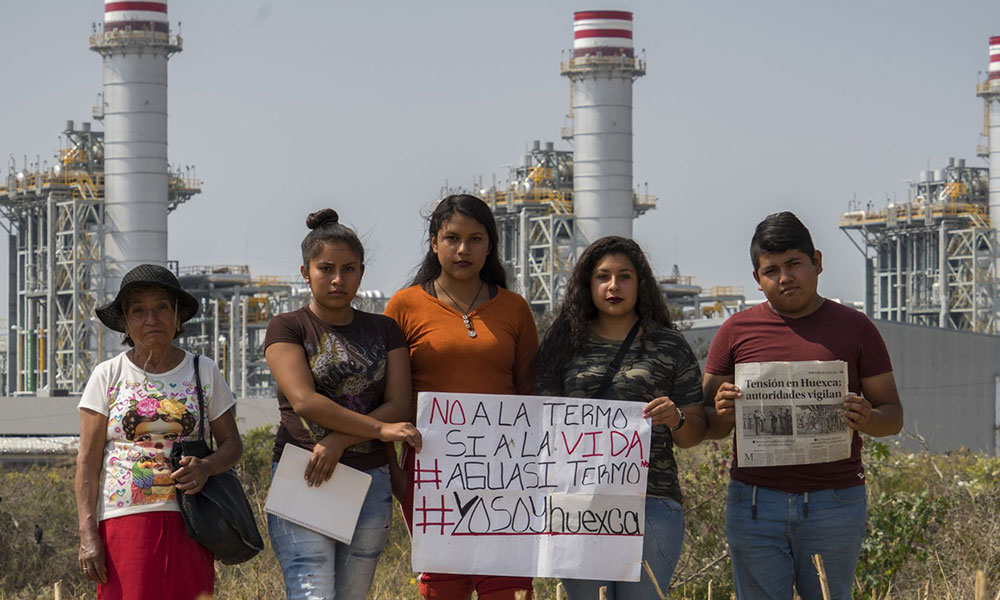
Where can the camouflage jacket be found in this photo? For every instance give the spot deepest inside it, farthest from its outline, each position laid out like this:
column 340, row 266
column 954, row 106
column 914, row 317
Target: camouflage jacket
column 663, row 365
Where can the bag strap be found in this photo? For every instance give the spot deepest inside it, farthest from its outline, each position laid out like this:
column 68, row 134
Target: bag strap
column 617, row 362
column 201, row 401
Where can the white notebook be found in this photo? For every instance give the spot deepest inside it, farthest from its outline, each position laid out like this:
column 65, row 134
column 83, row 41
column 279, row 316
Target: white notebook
column 331, row 508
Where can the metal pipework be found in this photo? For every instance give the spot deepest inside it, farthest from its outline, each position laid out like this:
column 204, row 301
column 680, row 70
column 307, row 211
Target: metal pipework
column 602, row 69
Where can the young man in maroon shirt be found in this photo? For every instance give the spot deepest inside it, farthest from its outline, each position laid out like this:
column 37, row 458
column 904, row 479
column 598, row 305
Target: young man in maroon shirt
column 778, row 517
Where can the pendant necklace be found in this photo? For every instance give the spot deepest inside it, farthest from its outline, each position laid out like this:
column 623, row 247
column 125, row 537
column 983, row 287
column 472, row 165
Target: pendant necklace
column 465, row 314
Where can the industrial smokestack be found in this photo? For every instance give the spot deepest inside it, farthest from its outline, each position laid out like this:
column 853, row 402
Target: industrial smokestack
column 992, row 94
column 135, row 44
column 602, row 69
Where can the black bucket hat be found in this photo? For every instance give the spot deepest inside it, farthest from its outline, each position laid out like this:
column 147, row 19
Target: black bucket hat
column 113, row 316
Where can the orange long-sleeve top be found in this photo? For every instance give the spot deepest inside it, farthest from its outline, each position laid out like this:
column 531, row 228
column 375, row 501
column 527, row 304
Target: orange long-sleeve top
column 443, row 358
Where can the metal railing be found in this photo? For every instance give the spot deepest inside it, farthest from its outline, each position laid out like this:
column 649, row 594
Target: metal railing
column 132, row 37
column 215, row 270
column 577, row 64
column 974, row 212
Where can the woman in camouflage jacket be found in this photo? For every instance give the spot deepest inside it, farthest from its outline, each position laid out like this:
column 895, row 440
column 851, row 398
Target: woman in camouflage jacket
column 611, row 291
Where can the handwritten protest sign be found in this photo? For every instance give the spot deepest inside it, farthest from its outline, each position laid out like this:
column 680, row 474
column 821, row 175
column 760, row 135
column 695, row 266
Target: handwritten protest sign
column 530, row 486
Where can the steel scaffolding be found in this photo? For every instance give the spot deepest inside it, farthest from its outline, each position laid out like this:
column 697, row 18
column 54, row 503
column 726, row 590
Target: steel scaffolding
column 230, row 327
column 932, row 260
column 55, row 220
column 235, row 311
column 536, row 224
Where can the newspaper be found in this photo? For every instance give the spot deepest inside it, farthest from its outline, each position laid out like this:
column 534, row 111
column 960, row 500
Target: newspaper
column 791, row 413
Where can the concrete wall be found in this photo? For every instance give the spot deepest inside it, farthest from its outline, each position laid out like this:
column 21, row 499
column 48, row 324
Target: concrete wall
column 947, row 382
column 30, row 416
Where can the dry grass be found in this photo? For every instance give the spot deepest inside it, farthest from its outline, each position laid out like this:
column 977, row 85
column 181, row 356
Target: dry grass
column 929, row 547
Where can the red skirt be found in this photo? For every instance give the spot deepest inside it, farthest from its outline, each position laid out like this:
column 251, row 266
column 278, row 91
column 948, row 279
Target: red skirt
column 149, row 556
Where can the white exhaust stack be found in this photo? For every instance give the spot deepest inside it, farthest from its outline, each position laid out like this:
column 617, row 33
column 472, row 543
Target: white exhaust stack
column 991, row 92
column 602, row 69
column 135, row 44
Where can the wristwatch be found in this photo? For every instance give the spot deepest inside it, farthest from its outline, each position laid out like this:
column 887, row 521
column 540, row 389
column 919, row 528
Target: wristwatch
column 679, row 423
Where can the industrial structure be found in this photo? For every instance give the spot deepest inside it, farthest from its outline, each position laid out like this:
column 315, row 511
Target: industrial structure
column 58, row 262
column 601, row 71
column 235, row 310
column 554, row 202
column 230, row 327
column 56, row 217
column 77, row 226
column 134, row 43
column 534, row 210
column 689, row 301
column 989, row 91
column 933, row 260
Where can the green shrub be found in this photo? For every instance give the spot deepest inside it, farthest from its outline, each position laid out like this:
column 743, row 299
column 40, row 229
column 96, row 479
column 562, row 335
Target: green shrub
column 898, row 533
column 255, row 465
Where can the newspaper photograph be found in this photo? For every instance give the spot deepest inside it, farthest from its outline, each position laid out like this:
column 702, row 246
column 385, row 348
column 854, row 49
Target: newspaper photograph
column 791, row 413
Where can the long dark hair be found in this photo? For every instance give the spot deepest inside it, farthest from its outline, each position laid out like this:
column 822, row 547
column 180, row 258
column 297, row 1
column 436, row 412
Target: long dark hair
column 492, row 272
column 571, row 326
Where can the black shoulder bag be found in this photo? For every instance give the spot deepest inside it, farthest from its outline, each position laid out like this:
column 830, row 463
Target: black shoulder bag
column 218, row 517
column 617, row 362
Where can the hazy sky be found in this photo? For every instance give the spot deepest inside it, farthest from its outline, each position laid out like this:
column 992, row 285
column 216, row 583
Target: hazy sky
column 370, row 107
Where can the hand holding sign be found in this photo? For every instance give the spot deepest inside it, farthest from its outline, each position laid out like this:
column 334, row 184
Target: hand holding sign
column 506, row 485
column 662, row 411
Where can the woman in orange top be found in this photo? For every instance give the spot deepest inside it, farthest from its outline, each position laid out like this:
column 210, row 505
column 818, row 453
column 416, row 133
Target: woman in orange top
column 466, row 333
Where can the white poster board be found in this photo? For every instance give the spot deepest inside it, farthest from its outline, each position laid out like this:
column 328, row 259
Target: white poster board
column 791, row 413
column 530, row 486
column 331, row 508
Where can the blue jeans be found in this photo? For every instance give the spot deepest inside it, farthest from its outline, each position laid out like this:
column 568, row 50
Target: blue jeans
column 661, row 548
column 773, row 551
column 316, row 567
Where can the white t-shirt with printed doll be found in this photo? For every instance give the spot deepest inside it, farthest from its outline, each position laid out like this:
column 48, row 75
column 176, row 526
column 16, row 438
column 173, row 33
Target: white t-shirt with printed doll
column 147, row 413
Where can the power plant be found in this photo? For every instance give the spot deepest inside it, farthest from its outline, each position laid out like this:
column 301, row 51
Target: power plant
column 535, row 210
column 554, row 203
column 135, row 44
column 58, row 263
column 77, row 225
column 933, row 260
column 601, row 70
column 990, row 92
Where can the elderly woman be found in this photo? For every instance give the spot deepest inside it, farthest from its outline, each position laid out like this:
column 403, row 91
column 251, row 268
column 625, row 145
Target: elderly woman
column 133, row 542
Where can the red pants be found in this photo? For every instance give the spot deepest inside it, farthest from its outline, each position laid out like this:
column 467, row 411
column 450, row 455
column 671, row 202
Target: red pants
column 448, row 586
column 149, row 556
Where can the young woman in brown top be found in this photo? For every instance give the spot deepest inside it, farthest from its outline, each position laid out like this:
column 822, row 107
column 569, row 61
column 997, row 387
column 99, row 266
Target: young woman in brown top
column 343, row 391
column 466, row 333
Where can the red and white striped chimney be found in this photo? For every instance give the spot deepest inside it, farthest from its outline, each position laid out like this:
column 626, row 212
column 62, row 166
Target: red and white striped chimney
column 605, row 32
column 135, row 45
column 991, row 93
column 602, row 70
column 994, row 72
column 150, row 16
